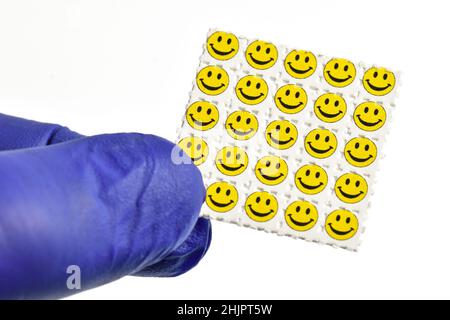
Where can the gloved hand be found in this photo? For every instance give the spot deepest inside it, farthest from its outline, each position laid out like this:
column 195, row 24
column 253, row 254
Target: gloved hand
column 111, row 205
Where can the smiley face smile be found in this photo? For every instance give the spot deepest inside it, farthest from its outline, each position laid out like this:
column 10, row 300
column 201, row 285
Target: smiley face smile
column 289, row 106
column 259, row 62
column 328, row 115
column 279, row 142
column 270, row 178
column 368, row 124
column 338, row 232
column 299, row 223
column 211, row 88
column 377, row 88
column 240, row 133
column 221, row 53
column 200, row 123
column 320, row 151
column 259, row 214
column 348, row 195
column 249, row 97
column 229, row 168
column 298, row 71
column 309, row 187
column 358, row 159
column 218, row 204
column 338, row 80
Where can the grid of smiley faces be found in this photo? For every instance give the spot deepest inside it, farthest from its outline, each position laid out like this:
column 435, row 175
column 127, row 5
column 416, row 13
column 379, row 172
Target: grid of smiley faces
column 281, row 134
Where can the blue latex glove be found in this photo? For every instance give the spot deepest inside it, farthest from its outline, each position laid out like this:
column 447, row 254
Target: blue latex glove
column 113, row 205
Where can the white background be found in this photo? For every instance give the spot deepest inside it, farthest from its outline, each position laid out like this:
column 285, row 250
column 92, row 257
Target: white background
column 107, row 66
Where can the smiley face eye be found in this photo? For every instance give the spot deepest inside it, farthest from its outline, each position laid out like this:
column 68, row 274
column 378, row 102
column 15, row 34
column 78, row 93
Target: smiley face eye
column 346, row 68
column 267, row 202
column 278, row 127
column 238, row 156
column 218, row 190
column 228, row 192
column 248, row 83
column 357, row 183
column 288, row 130
column 297, row 94
column 347, row 181
column 219, row 76
column 366, row 109
column 327, row 139
column 278, row 165
column 209, row 74
column 258, row 85
column 308, row 172
column 317, row 137
column 375, row 74
column 307, row 59
column 288, row 92
column 199, row 108
column 347, row 220
column 327, row 101
column 258, row 199
column 385, row 76
column 357, row 145
column 336, row 103
column 297, row 209
column 307, row 211
column 366, row 147
column 267, row 50
column 248, row 121
column 189, row 144
column 258, row 48
column 336, row 65
column 376, row 111
column 317, row 175
column 228, row 154
column 268, row 164
column 229, row 41
column 238, row 119
column 208, row 112
column 219, row 39
column 338, row 218
column 297, row 57
column 199, row 147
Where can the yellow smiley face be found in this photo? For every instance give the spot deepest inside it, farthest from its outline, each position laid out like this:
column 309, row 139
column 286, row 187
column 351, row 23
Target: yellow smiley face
column 212, row 80
column 222, row 45
column 231, row 161
column 330, row 107
column 261, row 55
column 339, row 72
column 320, row 143
column 341, row 224
column 360, row 152
column 378, row 81
column 311, row 179
column 291, row 99
column 271, row 170
column 196, row 148
column 301, row 215
column 261, row 206
column 221, row 196
column 241, row 125
column 351, row 188
column 202, row 115
column 281, row 134
column 252, row 90
column 369, row 116
column 300, row 64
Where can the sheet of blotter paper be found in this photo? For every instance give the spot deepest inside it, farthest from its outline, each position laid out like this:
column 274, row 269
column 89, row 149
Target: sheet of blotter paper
column 288, row 141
